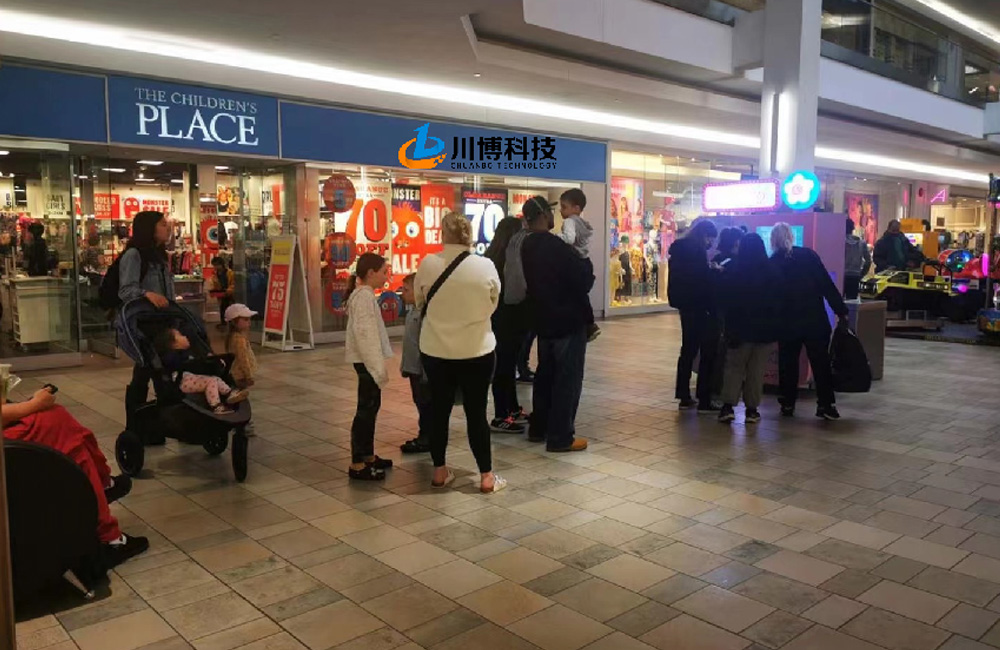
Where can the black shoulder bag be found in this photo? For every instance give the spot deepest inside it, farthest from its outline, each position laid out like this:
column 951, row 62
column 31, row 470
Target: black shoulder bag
column 437, row 283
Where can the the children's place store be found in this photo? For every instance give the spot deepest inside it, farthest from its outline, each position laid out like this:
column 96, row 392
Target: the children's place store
column 238, row 172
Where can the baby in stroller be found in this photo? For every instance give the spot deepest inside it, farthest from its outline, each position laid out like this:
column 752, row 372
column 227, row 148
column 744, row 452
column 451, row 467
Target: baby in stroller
column 175, row 353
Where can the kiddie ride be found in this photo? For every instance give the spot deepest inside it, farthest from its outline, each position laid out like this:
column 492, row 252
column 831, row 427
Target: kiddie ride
column 969, row 276
column 917, row 299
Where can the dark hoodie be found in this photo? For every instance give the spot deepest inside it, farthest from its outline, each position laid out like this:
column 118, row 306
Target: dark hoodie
column 689, row 285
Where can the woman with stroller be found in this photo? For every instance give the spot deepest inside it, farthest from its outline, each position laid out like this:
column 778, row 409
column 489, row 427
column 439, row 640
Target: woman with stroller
column 145, row 273
column 41, row 421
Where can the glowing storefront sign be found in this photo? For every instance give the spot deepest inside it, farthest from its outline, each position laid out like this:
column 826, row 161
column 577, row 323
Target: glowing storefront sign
column 801, row 190
column 744, row 196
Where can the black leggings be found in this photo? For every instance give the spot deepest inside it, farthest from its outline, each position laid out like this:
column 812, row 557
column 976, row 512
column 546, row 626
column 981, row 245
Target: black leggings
column 473, row 376
column 363, row 427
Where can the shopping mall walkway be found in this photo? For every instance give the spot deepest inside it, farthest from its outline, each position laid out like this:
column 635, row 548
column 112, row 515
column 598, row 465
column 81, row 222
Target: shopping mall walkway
column 672, row 532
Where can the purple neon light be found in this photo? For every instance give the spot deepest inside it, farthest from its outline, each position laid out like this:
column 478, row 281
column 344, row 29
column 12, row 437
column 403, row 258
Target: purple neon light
column 777, row 196
column 986, row 265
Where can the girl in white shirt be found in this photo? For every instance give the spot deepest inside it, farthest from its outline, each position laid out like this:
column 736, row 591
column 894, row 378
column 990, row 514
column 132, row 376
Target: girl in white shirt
column 367, row 348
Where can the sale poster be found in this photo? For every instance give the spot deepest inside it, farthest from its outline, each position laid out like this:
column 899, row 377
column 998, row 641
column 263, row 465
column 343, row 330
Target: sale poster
column 435, row 202
column 484, row 208
column 626, row 212
column 367, row 219
column 409, row 245
column 279, row 284
column 516, row 201
column 863, row 211
column 107, row 206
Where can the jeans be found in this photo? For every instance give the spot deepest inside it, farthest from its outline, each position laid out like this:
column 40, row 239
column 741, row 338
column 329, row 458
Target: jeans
column 473, row 375
column 420, row 389
column 510, row 329
column 788, row 370
column 852, row 286
column 557, row 389
column 137, row 392
column 363, row 427
column 745, row 373
column 699, row 334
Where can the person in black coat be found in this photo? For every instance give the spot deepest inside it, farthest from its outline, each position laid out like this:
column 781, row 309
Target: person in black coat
column 690, row 291
column 805, row 285
column 750, row 295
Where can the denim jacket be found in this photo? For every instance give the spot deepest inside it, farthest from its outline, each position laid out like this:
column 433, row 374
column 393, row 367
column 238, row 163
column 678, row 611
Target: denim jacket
column 131, row 283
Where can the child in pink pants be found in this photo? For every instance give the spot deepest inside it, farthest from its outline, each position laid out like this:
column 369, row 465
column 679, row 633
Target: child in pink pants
column 174, row 349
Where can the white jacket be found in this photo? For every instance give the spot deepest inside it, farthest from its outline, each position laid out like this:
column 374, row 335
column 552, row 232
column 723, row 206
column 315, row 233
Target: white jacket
column 457, row 324
column 367, row 340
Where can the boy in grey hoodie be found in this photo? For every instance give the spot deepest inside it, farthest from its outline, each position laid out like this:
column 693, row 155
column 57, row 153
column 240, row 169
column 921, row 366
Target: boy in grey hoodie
column 577, row 233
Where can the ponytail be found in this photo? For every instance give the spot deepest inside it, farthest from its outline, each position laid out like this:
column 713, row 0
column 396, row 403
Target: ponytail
column 367, row 263
column 352, row 284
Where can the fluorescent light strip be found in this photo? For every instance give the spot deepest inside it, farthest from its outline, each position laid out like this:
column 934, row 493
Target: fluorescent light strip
column 131, row 40
column 151, row 163
column 962, row 19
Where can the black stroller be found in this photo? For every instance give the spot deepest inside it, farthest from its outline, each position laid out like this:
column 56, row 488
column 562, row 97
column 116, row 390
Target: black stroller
column 187, row 418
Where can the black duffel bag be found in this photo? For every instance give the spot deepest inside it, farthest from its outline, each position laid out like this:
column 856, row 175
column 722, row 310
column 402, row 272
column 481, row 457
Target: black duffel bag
column 851, row 372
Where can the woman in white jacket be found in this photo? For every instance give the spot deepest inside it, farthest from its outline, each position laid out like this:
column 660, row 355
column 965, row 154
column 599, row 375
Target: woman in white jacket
column 367, row 348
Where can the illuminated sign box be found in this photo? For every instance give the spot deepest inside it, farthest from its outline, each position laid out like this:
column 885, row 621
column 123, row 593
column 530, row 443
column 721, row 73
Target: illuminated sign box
column 745, row 196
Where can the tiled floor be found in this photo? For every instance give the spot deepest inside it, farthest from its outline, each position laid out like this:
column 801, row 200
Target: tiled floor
column 671, row 532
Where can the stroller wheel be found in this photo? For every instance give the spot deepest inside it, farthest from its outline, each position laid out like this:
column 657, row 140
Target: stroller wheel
column 239, row 452
column 130, row 453
column 216, row 444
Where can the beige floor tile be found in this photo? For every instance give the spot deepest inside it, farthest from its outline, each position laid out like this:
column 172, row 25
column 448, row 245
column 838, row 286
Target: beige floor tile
column 956, row 586
column 800, row 518
column 504, row 603
column 556, row 542
column 910, row 602
column 410, row 606
column 703, row 491
column 276, row 586
column 618, row 641
column 345, row 523
column 631, row 572
column 834, row 611
column 821, row 638
column 912, row 507
column 211, row 615
column 349, row 571
column 378, row 539
column 316, row 507
column 521, row 565
column 46, row 638
column 169, row 579
column 544, row 509
column 298, row 542
column 848, row 531
column 926, row 552
column 239, row 635
column 749, row 503
column 980, row 566
column 125, row 633
column 687, row 633
column 456, row 579
column 687, row 559
column 281, row 641
column 229, row 556
column 635, row 514
column 332, row 625
column 679, row 504
column 892, row 631
column 723, row 608
column 559, row 628
column 801, row 541
column 757, row 528
column 710, row 538
column 609, row 532
column 416, row 557
column 485, row 636
column 969, row 621
column 800, row 567
column 776, row 629
column 783, row 593
column 599, row 600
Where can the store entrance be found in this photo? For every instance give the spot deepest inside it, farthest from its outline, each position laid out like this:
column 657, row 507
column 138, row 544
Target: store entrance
column 223, row 213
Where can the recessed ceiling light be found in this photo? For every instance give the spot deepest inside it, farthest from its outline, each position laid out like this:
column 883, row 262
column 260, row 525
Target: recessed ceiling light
column 221, row 168
column 477, row 74
column 179, row 181
column 4, row 153
column 113, row 170
column 83, row 177
column 145, row 180
column 153, row 163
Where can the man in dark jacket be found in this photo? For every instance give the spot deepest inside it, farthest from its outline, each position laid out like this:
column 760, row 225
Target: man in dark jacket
column 690, row 291
column 558, row 283
column 805, row 285
column 895, row 251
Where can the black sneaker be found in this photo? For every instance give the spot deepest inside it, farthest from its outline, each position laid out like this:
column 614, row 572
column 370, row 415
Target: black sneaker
column 416, row 446
column 711, row 407
column 115, row 554
column 120, row 487
column 593, row 331
column 380, row 463
column 726, row 414
column 526, row 377
column 828, row 412
column 687, row 404
column 369, row 473
column 787, row 410
column 506, row 425
column 752, row 416
column 520, row 417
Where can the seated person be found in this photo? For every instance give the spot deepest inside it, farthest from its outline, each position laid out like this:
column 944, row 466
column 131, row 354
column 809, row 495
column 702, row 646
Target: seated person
column 175, row 352
column 40, row 421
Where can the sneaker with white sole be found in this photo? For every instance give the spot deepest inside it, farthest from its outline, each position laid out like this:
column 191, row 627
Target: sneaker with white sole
column 506, row 425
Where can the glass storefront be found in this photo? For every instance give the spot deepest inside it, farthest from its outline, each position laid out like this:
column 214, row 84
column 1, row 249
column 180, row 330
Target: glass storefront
column 652, row 200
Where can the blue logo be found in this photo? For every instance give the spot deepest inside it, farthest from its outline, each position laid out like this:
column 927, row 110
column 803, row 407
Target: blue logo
column 424, row 157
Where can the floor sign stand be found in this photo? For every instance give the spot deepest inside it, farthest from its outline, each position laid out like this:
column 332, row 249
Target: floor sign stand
column 287, row 310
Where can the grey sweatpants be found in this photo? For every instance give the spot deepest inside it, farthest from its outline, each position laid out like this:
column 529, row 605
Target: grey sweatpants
column 744, row 373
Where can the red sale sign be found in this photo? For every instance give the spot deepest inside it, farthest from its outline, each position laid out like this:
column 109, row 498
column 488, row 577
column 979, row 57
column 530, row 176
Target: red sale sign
column 279, row 285
column 107, row 206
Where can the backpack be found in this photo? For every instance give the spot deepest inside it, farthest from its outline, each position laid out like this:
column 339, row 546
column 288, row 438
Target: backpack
column 107, row 294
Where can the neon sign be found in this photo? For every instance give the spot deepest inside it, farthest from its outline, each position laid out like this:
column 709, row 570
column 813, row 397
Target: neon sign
column 745, row 196
column 801, row 190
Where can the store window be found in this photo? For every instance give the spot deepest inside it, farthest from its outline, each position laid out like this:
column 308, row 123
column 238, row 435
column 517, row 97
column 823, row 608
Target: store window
column 38, row 253
column 397, row 214
column 653, row 200
column 870, row 202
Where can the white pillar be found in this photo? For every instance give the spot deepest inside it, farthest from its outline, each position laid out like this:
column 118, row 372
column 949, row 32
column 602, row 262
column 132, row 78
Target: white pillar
column 790, row 94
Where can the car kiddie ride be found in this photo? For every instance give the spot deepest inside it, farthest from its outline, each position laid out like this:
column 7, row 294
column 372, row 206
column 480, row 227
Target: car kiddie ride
column 913, row 291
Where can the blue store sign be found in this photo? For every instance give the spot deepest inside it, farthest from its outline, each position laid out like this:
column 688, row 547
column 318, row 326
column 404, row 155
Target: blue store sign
column 48, row 104
column 190, row 117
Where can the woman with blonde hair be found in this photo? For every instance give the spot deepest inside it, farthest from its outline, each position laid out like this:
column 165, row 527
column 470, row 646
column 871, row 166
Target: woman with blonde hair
column 458, row 293
column 805, row 284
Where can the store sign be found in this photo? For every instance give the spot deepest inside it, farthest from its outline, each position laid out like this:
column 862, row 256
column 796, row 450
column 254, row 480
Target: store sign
column 801, row 190
column 107, row 206
column 484, row 209
column 744, row 196
column 189, row 117
column 312, row 132
column 279, row 284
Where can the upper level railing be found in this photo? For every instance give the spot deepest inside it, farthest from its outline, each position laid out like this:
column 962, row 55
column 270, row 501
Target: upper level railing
column 881, row 40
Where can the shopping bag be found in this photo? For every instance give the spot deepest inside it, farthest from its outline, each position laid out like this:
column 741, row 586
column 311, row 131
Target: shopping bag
column 851, row 372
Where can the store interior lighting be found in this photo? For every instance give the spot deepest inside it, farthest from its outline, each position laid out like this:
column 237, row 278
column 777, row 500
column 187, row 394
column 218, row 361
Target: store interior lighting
column 214, row 54
column 962, row 18
column 4, row 153
column 151, row 163
column 113, row 170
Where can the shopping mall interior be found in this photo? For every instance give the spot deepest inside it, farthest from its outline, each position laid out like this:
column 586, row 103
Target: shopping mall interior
column 281, row 145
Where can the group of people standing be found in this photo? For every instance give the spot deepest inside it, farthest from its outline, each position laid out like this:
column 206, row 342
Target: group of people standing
column 739, row 304
column 465, row 333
